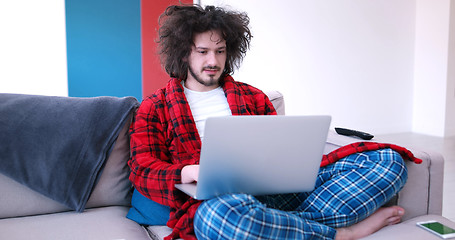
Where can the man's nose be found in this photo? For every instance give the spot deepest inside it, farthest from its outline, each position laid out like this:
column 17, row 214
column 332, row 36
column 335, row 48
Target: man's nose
column 211, row 59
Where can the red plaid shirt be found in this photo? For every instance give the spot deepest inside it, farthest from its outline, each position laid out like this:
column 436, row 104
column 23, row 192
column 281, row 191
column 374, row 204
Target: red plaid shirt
column 365, row 147
column 164, row 139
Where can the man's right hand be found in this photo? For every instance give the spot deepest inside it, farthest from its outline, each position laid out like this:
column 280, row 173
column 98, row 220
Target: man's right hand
column 190, row 173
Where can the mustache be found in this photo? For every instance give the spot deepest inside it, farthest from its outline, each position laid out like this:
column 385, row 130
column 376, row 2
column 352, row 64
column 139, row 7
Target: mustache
column 211, row 68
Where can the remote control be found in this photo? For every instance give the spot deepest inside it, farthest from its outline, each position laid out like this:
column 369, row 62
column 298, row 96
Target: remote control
column 350, row 132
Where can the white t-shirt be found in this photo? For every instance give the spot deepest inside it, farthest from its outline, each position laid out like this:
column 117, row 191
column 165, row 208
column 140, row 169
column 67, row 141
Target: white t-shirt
column 206, row 104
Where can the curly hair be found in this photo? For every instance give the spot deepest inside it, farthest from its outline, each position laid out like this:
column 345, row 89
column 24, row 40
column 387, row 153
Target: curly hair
column 179, row 24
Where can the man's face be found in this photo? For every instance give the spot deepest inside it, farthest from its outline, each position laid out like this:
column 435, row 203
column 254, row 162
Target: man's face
column 206, row 61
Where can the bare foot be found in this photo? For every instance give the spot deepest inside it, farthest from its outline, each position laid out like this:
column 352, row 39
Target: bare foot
column 379, row 219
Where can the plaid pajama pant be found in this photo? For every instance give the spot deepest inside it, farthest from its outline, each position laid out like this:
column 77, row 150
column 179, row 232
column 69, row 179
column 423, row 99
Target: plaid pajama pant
column 346, row 192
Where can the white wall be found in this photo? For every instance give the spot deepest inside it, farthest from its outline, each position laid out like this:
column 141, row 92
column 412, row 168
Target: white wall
column 431, row 55
column 361, row 61
column 450, row 107
column 33, row 47
column 351, row 59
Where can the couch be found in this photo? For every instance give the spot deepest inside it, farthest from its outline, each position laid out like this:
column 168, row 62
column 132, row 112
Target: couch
column 27, row 214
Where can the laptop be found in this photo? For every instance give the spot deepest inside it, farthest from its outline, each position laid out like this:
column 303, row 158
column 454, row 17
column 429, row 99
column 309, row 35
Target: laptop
column 259, row 155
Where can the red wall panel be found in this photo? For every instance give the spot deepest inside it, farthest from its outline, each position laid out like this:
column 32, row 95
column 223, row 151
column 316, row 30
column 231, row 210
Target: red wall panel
column 153, row 75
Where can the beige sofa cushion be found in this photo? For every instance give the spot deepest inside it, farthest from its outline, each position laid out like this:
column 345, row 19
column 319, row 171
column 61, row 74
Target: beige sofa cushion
column 409, row 230
column 113, row 187
column 93, row 224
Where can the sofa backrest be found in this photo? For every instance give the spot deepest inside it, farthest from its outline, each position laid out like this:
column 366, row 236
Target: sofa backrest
column 277, row 100
column 113, row 187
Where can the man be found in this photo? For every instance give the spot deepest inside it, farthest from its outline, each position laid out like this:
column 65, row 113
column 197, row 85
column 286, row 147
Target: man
column 200, row 49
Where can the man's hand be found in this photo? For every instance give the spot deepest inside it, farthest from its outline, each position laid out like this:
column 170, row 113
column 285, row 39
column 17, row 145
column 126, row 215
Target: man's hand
column 190, row 173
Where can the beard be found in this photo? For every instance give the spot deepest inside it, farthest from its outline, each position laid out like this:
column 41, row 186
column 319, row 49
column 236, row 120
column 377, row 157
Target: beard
column 212, row 81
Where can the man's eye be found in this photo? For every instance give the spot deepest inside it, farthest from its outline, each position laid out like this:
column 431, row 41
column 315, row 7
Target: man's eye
column 221, row 51
column 202, row 52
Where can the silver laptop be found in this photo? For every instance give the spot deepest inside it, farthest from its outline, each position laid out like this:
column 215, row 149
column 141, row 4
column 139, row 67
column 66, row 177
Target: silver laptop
column 259, row 155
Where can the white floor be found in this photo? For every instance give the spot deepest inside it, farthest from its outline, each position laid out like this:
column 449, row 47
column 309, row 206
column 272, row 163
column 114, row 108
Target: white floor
column 445, row 146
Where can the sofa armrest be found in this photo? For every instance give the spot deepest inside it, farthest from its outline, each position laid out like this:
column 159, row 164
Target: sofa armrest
column 422, row 193
column 436, row 183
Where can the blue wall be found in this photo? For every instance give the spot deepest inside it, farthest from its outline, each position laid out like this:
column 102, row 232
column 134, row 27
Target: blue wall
column 104, row 48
